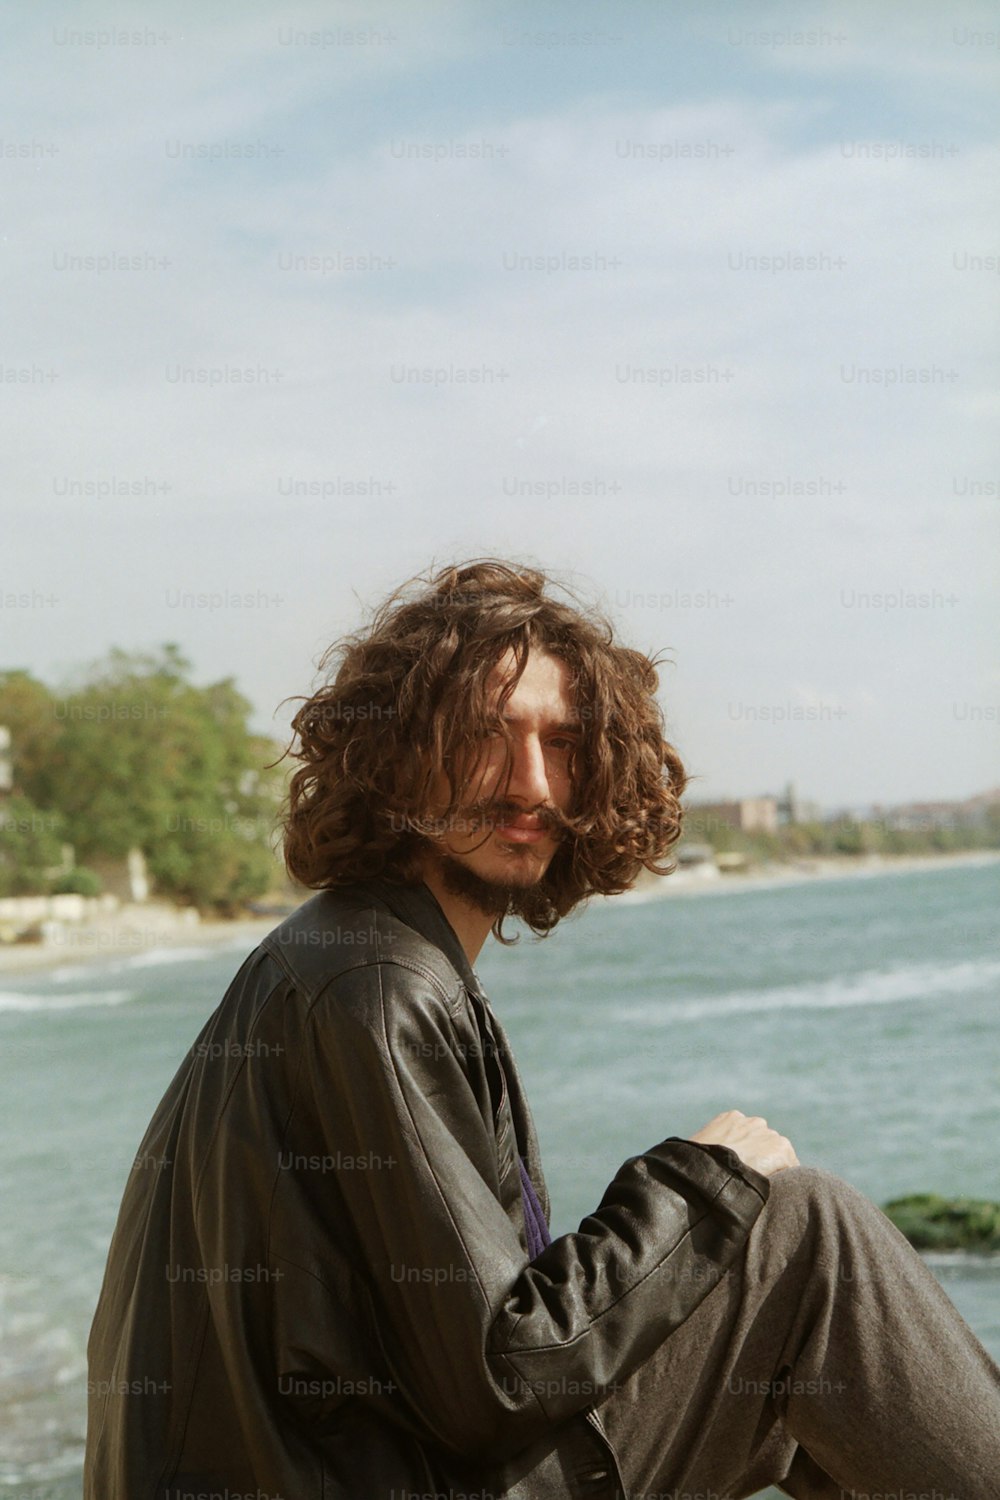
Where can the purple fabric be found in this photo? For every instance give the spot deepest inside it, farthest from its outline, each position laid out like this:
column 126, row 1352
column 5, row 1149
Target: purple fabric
column 534, row 1216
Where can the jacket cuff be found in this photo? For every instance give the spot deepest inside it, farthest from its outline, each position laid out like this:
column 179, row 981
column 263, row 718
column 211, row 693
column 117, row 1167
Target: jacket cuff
column 728, row 1158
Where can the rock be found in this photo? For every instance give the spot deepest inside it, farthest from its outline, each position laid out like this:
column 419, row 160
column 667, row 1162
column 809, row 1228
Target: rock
column 930, row 1222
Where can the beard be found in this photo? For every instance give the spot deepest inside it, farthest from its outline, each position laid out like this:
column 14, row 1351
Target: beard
column 492, row 897
column 522, row 890
column 525, row 898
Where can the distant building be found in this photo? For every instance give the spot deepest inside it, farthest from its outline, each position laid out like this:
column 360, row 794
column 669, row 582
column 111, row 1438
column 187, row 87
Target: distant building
column 978, row 809
column 793, row 809
column 924, row 817
column 748, row 814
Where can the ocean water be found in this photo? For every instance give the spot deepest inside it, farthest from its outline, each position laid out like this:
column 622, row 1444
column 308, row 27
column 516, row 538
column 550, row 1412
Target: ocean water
column 859, row 1015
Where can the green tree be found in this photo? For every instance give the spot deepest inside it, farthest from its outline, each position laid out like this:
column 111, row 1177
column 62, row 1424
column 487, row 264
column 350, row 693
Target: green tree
column 30, row 846
column 27, row 709
column 142, row 758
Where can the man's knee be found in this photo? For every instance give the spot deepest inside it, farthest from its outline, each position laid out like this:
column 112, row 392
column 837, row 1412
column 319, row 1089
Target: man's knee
column 805, row 1201
column 814, row 1186
column 814, row 1213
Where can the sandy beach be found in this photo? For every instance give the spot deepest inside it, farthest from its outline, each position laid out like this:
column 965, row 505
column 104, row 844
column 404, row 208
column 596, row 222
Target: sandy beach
column 122, row 937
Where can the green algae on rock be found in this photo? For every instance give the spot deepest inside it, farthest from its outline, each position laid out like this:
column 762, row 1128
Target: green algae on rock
column 931, row 1222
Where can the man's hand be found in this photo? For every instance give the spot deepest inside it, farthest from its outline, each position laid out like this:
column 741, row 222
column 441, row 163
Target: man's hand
column 751, row 1139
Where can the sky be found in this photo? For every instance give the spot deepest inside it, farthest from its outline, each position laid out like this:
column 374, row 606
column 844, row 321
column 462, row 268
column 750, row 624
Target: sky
column 691, row 305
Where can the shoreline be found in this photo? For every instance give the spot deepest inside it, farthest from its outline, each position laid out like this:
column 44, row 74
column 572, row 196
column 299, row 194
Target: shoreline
column 800, row 872
column 137, row 930
column 118, row 940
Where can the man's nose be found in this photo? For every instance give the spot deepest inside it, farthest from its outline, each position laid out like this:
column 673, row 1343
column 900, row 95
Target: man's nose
column 529, row 778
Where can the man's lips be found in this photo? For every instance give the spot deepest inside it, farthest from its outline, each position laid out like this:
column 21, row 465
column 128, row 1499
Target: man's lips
column 521, row 831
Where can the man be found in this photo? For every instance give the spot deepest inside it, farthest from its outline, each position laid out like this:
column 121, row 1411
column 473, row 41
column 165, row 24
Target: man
column 332, row 1274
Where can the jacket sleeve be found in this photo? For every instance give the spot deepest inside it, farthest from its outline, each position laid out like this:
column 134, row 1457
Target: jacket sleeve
column 490, row 1350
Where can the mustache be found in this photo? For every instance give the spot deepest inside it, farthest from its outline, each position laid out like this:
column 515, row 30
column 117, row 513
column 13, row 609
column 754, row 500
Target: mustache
column 498, row 814
column 482, row 817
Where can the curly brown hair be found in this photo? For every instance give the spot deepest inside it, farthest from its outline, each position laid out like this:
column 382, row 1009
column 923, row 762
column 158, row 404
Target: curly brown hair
column 410, row 698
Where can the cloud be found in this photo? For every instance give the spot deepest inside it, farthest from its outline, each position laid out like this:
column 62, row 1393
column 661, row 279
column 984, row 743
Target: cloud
column 696, row 348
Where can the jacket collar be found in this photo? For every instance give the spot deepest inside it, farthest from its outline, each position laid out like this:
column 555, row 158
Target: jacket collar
column 419, row 908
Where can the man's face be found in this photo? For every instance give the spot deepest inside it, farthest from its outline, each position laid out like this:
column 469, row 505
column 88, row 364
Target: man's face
column 500, row 842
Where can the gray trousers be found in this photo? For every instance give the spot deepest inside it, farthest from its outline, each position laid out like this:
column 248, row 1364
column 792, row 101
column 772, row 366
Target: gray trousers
column 829, row 1362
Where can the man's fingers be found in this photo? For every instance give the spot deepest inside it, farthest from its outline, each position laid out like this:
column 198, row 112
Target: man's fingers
column 751, row 1138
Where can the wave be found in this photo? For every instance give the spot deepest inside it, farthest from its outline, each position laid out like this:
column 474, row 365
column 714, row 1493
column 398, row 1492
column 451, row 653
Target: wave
column 12, row 1000
column 149, row 958
column 153, row 957
column 869, row 987
column 42, row 1371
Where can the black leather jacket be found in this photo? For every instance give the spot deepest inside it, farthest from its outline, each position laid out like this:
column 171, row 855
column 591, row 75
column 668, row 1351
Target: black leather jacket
column 319, row 1283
